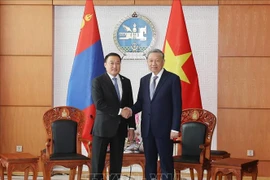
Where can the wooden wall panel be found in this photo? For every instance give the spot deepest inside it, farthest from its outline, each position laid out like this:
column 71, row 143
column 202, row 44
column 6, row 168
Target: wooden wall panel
column 263, row 168
column 29, row 2
column 26, row 80
column 243, row 129
column 244, row 30
column 244, row 2
column 243, row 85
column 243, row 82
column 22, row 126
column 128, row 2
column 26, row 29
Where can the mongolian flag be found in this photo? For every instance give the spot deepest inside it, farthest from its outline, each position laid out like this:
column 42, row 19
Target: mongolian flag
column 179, row 58
column 88, row 64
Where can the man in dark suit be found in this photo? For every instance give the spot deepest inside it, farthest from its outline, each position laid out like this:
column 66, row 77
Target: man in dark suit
column 110, row 128
column 159, row 99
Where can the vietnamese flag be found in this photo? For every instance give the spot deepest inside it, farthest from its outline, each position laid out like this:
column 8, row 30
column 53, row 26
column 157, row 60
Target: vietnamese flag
column 88, row 64
column 179, row 58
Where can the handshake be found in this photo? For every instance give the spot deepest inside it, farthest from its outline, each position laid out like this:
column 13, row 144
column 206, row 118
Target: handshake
column 126, row 112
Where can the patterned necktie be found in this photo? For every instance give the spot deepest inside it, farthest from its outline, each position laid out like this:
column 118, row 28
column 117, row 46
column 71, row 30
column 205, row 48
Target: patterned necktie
column 153, row 87
column 116, row 87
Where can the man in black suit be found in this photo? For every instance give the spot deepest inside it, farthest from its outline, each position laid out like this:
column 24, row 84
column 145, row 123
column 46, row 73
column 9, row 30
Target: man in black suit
column 160, row 101
column 110, row 128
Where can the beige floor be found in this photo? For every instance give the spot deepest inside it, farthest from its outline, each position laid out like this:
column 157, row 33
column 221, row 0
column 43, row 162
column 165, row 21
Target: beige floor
column 56, row 177
column 62, row 175
column 65, row 177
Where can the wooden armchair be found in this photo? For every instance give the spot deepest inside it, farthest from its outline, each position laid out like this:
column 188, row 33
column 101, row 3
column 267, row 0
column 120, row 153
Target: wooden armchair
column 63, row 147
column 197, row 127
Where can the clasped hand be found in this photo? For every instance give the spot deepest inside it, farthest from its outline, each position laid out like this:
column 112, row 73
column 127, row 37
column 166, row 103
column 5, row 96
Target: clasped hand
column 126, row 112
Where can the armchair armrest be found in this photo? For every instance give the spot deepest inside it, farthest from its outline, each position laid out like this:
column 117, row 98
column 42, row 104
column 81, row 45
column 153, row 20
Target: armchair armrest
column 45, row 153
column 88, row 147
column 178, row 143
column 178, row 140
column 202, row 154
column 48, row 145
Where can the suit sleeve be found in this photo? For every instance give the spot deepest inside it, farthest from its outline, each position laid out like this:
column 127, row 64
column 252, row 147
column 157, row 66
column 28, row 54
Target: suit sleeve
column 131, row 120
column 177, row 104
column 137, row 107
column 101, row 104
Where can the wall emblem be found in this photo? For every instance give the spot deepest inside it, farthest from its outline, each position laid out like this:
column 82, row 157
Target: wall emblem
column 134, row 35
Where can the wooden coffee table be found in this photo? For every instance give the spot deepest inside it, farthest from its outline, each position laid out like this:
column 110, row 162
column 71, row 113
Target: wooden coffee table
column 236, row 167
column 20, row 162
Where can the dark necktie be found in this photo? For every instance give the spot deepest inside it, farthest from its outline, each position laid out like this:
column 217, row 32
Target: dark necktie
column 116, row 87
column 153, row 87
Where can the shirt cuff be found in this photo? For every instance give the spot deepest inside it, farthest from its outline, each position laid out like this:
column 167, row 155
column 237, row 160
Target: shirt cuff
column 120, row 110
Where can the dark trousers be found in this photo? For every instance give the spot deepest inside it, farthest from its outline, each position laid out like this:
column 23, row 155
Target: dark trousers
column 99, row 152
column 164, row 148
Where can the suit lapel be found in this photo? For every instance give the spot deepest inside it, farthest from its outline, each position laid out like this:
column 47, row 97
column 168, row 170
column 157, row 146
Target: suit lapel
column 107, row 80
column 162, row 80
column 148, row 84
column 124, row 90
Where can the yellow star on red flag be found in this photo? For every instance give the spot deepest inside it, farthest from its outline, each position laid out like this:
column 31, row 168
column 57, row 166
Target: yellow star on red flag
column 176, row 62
